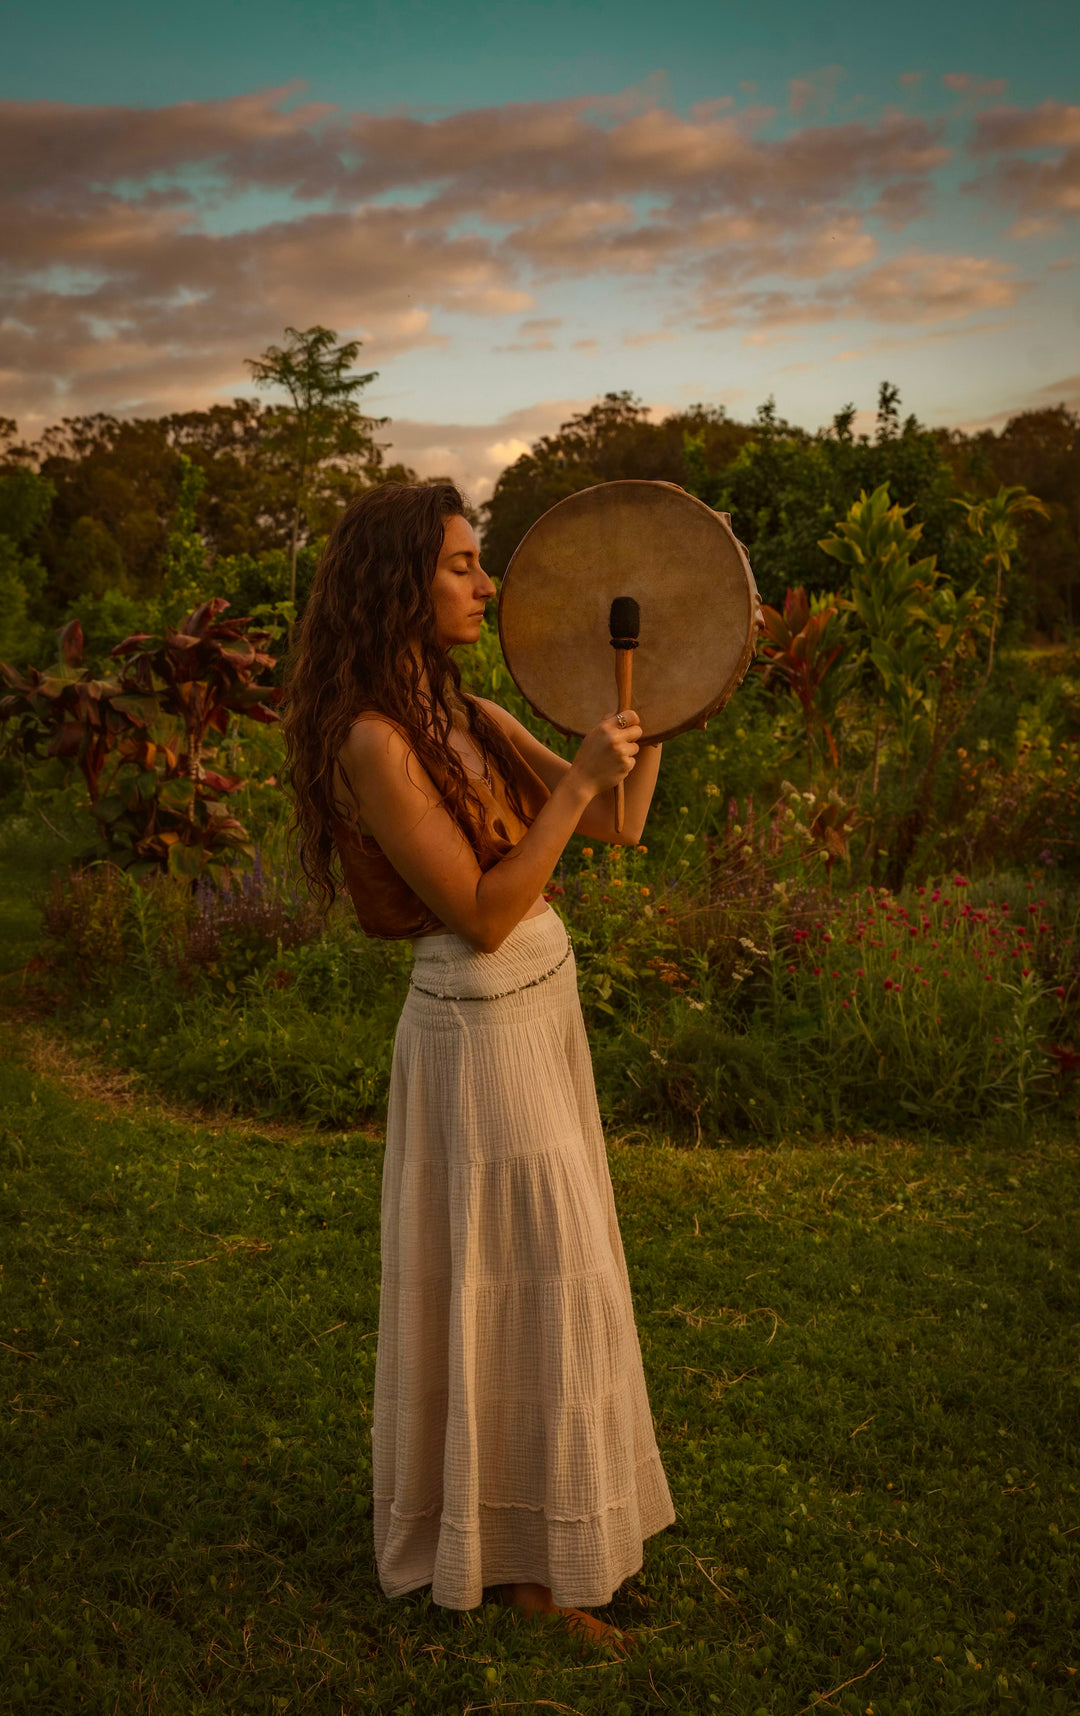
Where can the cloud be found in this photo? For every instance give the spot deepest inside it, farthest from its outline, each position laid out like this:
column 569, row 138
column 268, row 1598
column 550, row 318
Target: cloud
column 1044, row 190
column 927, row 288
column 813, row 96
column 535, row 335
column 1051, row 125
column 120, row 295
column 1065, row 392
column 473, row 454
column 973, row 89
column 912, row 342
column 918, row 287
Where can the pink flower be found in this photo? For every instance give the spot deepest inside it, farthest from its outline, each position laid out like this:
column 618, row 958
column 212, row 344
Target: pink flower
column 845, row 1004
column 944, row 974
column 862, row 973
column 1060, row 993
column 889, row 984
column 817, row 971
column 791, row 968
column 834, row 974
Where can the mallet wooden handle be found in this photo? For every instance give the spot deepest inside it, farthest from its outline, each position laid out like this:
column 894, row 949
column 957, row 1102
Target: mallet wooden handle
column 624, row 673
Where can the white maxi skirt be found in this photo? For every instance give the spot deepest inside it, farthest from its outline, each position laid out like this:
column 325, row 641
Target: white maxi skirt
column 512, row 1439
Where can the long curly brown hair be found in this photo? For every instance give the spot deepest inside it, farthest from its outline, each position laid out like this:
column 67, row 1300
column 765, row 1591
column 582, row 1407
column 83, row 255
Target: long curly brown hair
column 353, row 652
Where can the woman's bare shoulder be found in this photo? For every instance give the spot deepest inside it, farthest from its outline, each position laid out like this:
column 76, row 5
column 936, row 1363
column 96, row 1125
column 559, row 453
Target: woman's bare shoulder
column 509, row 724
column 373, row 737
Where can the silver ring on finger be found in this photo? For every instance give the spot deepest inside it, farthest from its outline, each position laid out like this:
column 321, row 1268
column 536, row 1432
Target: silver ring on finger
column 620, row 721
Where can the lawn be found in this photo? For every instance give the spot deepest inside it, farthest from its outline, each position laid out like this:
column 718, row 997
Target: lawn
column 861, row 1360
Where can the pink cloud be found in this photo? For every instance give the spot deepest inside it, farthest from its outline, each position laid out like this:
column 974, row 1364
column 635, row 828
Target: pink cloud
column 1051, row 125
column 119, row 297
column 973, row 89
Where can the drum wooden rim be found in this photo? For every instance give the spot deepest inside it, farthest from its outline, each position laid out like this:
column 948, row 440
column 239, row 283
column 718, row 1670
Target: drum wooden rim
column 630, row 491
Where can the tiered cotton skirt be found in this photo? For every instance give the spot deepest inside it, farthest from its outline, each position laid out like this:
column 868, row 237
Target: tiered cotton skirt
column 512, row 1439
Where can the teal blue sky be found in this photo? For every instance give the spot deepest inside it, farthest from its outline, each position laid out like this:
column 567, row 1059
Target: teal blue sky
column 518, row 207
column 389, row 53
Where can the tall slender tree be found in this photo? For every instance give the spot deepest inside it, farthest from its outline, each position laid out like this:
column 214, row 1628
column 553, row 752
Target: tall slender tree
column 324, row 420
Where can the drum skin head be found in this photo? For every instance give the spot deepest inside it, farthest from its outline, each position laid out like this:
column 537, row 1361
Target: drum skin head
column 682, row 565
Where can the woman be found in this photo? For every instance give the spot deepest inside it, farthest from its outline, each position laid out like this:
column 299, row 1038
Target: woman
column 512, row 1441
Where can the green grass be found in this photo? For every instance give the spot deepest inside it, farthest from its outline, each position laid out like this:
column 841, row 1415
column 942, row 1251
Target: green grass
column 861, row 1362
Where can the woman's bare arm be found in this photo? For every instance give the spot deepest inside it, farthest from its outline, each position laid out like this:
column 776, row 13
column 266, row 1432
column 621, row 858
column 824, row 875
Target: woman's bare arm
column 399, row 803
column 597, row 820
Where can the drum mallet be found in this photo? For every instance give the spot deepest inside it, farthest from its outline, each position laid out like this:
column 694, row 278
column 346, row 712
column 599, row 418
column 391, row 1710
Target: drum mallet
column 624, row 623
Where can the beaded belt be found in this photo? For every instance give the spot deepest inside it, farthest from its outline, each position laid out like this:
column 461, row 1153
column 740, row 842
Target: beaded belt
column 437, row 995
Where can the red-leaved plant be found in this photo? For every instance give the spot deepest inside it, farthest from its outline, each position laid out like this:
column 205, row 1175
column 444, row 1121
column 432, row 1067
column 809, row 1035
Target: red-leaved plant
column 800, row 647
column 138, row 735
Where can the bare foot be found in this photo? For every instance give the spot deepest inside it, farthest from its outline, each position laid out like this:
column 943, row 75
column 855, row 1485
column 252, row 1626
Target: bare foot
column 590, row 1629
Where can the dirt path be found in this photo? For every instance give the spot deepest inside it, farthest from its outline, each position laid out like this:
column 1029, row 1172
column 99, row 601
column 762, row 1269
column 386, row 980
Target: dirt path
column 48, row 1052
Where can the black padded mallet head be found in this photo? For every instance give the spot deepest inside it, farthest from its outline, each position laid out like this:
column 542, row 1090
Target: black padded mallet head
column 624, row 623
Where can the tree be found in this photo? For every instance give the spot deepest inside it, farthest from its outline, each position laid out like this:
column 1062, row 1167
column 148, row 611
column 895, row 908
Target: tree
column 615, row 439
column 324, row 420
column 185, row 568
column 25, row 499
column 889, row 591
column 996, row 518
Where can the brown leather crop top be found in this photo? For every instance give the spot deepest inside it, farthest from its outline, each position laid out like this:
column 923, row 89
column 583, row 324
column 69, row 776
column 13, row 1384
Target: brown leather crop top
column 386, row 906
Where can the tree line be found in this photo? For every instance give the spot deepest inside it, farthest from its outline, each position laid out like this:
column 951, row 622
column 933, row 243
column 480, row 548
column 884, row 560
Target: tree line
column 103, row 517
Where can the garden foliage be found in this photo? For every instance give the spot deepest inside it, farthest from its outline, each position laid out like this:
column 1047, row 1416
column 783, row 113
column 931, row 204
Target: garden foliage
column 828, row 878
column 139, row 737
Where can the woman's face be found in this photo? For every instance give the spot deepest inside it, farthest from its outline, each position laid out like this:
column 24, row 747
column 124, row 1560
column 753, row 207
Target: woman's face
column 460, row 586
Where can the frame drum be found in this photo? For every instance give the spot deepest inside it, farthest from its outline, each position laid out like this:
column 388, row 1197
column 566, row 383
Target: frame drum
column 692, row 582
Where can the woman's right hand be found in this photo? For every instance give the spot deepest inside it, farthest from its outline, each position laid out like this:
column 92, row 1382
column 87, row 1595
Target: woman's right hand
column 607, row 754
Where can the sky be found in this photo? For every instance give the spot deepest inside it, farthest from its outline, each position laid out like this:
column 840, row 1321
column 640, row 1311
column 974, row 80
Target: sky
column 518, row 207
